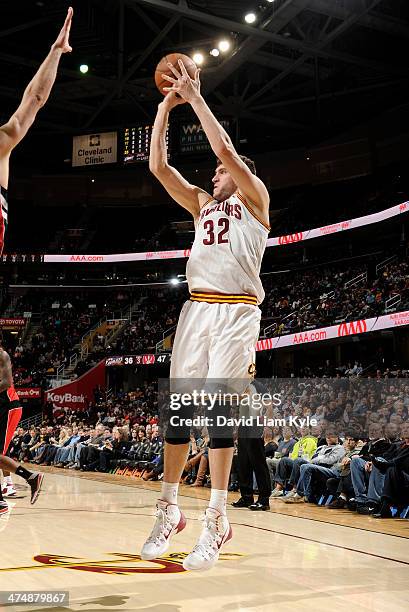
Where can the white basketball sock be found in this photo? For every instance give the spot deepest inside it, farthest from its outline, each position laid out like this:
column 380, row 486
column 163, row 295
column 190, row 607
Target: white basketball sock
column 218, row 500
column 169, row 492
column 8, row 481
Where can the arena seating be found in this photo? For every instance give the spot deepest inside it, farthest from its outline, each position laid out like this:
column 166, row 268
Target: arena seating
column 125, row 435
column 292, row 210
column 295, row 301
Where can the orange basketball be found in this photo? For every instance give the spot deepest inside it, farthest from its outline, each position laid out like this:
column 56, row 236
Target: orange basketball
column 162, row 68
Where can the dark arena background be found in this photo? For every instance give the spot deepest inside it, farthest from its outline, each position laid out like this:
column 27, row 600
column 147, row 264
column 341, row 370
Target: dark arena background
column 93, row 281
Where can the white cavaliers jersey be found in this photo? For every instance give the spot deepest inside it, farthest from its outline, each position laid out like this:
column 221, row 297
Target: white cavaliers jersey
column 227, row 251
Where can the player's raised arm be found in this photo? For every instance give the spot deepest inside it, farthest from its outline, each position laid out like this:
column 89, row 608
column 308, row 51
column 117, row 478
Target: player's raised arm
column 187, row 195
column 36, row 93
column 248, row 184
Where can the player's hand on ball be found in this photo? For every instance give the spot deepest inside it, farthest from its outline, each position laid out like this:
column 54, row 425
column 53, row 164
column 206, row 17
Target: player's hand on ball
column 62, row 43
column 171, row 100
column 182, row 84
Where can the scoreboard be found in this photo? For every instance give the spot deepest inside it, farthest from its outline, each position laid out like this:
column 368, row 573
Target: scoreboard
column 187, row 139
column 137, row 142
column 134, row 360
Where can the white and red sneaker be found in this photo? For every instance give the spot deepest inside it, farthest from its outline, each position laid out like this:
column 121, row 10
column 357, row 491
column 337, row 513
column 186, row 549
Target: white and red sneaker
column 169, row 521
column 4, row 508
column 9, row 491
column 216, row 532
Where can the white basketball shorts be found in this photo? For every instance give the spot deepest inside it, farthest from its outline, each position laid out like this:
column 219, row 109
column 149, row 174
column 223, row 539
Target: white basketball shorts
column 215, row 341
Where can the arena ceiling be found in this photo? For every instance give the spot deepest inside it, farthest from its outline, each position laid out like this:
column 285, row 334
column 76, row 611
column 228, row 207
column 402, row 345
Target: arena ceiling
column 304, row 71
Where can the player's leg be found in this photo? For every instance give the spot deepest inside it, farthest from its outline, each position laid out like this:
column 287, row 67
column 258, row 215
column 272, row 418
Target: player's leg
column 4, row 508
column 9, row 420
column 33, row 479
column 188, row 359
column 8, row 489
column 169, row 518
column 235, row 332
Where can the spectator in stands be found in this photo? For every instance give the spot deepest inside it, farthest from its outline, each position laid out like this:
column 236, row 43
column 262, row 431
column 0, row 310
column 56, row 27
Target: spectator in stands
column 44, row 440
column 92, row 447
column 367, row 480
column 341, row 485
column 284, row 448
column 113, row 450
column 26, row 453
column 323, row 463
column 48, row 452
column 93, row 435
column 288, row 468
column 62, row 454
column 20, row 437
column 396, row 477
column 75, row 448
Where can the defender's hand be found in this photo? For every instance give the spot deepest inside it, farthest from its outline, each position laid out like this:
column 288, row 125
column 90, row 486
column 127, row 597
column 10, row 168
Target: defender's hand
column 62, row 42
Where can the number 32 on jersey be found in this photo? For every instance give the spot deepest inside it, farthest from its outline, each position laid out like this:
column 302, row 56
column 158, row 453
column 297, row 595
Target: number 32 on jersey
column 216, row 235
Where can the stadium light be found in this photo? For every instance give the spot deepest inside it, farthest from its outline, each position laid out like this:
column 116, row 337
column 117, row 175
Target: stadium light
column 215, row 52
column 84, row 68
column 250, row 18
column 198, row 58
column 224, row 45
column 270, row 0
column 174, row 281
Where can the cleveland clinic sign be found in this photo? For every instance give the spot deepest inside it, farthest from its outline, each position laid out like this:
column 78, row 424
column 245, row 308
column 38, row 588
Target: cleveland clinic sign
column 94, row 149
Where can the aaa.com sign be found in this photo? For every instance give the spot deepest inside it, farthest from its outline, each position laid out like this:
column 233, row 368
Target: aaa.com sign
column 345, row 329
column 29, row 392
column 290, row 238
column 352, row 327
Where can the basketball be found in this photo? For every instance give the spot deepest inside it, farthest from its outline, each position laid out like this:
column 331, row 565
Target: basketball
column 163, row 68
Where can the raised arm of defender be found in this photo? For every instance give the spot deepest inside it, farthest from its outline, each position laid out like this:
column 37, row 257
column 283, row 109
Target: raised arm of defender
column 189, row 196
column 249, row 185
column 35, row 96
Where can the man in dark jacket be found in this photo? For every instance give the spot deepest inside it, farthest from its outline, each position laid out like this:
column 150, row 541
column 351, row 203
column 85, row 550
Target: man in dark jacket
column 367, row 480
column 341, row 486
column 251, row 457
column 396, row 483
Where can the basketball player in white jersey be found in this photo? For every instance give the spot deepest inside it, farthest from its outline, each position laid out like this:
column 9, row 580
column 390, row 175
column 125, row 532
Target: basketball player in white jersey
column 219, row 326
column 35, row 96
column 12, row 132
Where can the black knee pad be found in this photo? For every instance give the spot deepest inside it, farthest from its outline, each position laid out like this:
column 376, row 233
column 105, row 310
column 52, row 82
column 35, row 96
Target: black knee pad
column 221, row 443
column 177, row 440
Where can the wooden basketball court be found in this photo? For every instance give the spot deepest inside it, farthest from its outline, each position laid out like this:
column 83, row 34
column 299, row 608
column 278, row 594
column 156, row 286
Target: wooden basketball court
column 85, row 532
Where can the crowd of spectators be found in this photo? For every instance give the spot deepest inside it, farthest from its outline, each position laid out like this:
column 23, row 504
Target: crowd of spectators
column 61, row 321
column 321, row 296
column 298, row 301
column 294, row 302
column 306, row 207
column 158, row 313
column 347, row 438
